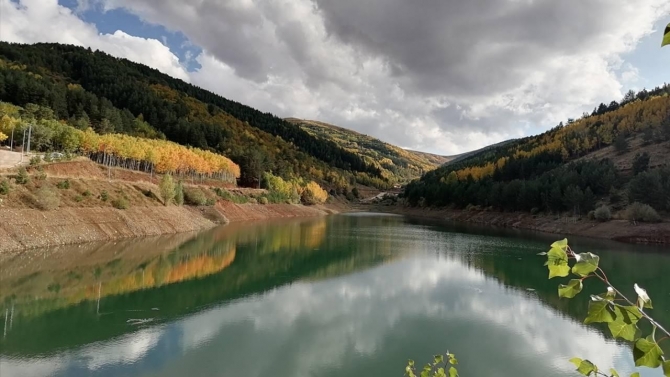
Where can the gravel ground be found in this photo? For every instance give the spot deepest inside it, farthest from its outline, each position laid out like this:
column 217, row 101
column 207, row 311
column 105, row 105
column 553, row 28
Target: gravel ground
column 10, row 159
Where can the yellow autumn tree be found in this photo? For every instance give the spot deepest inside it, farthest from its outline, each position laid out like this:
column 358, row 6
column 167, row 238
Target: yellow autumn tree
column 314, row 194
column 3, row 137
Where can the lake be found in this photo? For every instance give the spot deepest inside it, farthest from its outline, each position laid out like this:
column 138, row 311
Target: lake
column 343, row 295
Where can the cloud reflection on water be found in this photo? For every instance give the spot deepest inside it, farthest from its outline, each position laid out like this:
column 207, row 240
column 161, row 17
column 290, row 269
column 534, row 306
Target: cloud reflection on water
column 341, row 324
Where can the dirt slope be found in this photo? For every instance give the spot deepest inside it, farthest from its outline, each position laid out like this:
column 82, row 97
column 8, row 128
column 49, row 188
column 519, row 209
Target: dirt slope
column 83, row 214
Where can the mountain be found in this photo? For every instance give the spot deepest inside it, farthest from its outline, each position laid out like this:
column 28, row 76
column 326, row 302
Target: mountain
column 397, row 165
column 86, row 88
column 614, row 157
column 459, row 157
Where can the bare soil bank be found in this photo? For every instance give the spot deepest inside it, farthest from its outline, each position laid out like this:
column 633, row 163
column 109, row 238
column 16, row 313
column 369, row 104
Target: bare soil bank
column 22, row 229
column 83, row 215
column 618, row 230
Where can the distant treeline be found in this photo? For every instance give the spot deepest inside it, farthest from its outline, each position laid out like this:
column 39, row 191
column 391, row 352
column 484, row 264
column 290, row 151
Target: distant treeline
column 543, row 173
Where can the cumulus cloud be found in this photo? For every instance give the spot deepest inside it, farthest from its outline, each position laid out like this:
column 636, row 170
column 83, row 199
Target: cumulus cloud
column 31, row 21
column 447, row 76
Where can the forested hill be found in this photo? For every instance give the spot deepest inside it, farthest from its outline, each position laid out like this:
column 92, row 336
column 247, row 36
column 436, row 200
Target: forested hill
column 615, row 156
column 92, row 88
column 396, row 164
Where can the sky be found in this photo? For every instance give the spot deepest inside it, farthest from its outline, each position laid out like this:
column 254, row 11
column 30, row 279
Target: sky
column 440, row 76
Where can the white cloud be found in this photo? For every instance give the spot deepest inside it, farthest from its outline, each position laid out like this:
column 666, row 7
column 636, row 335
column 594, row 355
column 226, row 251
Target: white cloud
column 31, row 21
column 446, row 77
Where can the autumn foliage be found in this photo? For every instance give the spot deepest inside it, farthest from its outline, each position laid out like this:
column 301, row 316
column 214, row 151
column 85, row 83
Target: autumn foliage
column 314, row 194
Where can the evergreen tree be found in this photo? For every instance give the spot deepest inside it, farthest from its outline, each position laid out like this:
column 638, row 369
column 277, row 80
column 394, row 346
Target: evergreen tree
column 640, row 163
column 621, row 144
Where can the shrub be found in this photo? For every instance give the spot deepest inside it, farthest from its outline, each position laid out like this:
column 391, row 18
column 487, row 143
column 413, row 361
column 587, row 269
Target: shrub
column 22, row 176
column 86, row 193
column 63, row 185
column 47, row 157
column 104, row 196
column 35, row 160
column 4, row 187
column 276, row 197
column 78, row 198
column 229, row 196
column 355, row 193
column 642, row 212
column 210, row 202
column 167, row 189
column 120, row 203
column 47, row 199
column 314, row 194
column 263, row 200
column 195, row 197
column 534, row 211
column 179, row 194
column 603, row 214
column 253, row 201
column 40, row 175
column 591, row 215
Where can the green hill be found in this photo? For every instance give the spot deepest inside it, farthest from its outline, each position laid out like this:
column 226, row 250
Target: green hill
column 396, row 164
column 617, row 155
column 86, row 88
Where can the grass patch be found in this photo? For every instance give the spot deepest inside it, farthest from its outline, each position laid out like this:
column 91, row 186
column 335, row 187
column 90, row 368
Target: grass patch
column 120, row 203
column 63, row 185
column 231, row 197
column 47, row 199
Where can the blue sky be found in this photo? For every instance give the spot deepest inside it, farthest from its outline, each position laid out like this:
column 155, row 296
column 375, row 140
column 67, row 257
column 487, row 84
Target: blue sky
column 109, row 21
column 447, row 77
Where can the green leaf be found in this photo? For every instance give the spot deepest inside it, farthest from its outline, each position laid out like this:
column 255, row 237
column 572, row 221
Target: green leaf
column 441, row 373
column 426, row 371
column 625, row 324
column 636, row 374
column 614, row 373
column 571, row 290
column 453, row 372
column 452, row 359
column 584, row 367
column 647, row 353
column 666, row 368
column 666, row 36
column 438, row 359
column 577, row 361
column 409, row 372
column 557, row 262
column 562, row 244
column 557, row 253
column 586, row 264
column 599, row 311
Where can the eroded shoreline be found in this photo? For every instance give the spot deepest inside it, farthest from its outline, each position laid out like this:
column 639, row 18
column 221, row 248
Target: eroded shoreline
column 617, row 230
column 23, row 229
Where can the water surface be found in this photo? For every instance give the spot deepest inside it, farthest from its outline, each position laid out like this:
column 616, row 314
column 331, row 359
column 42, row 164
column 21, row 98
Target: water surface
column 346, row 295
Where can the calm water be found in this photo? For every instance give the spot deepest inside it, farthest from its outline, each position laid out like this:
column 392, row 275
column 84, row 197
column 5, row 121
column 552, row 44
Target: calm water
column 346, row 295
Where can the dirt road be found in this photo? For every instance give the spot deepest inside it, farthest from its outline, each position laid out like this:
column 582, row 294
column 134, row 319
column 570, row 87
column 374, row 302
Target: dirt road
column 9, row 159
